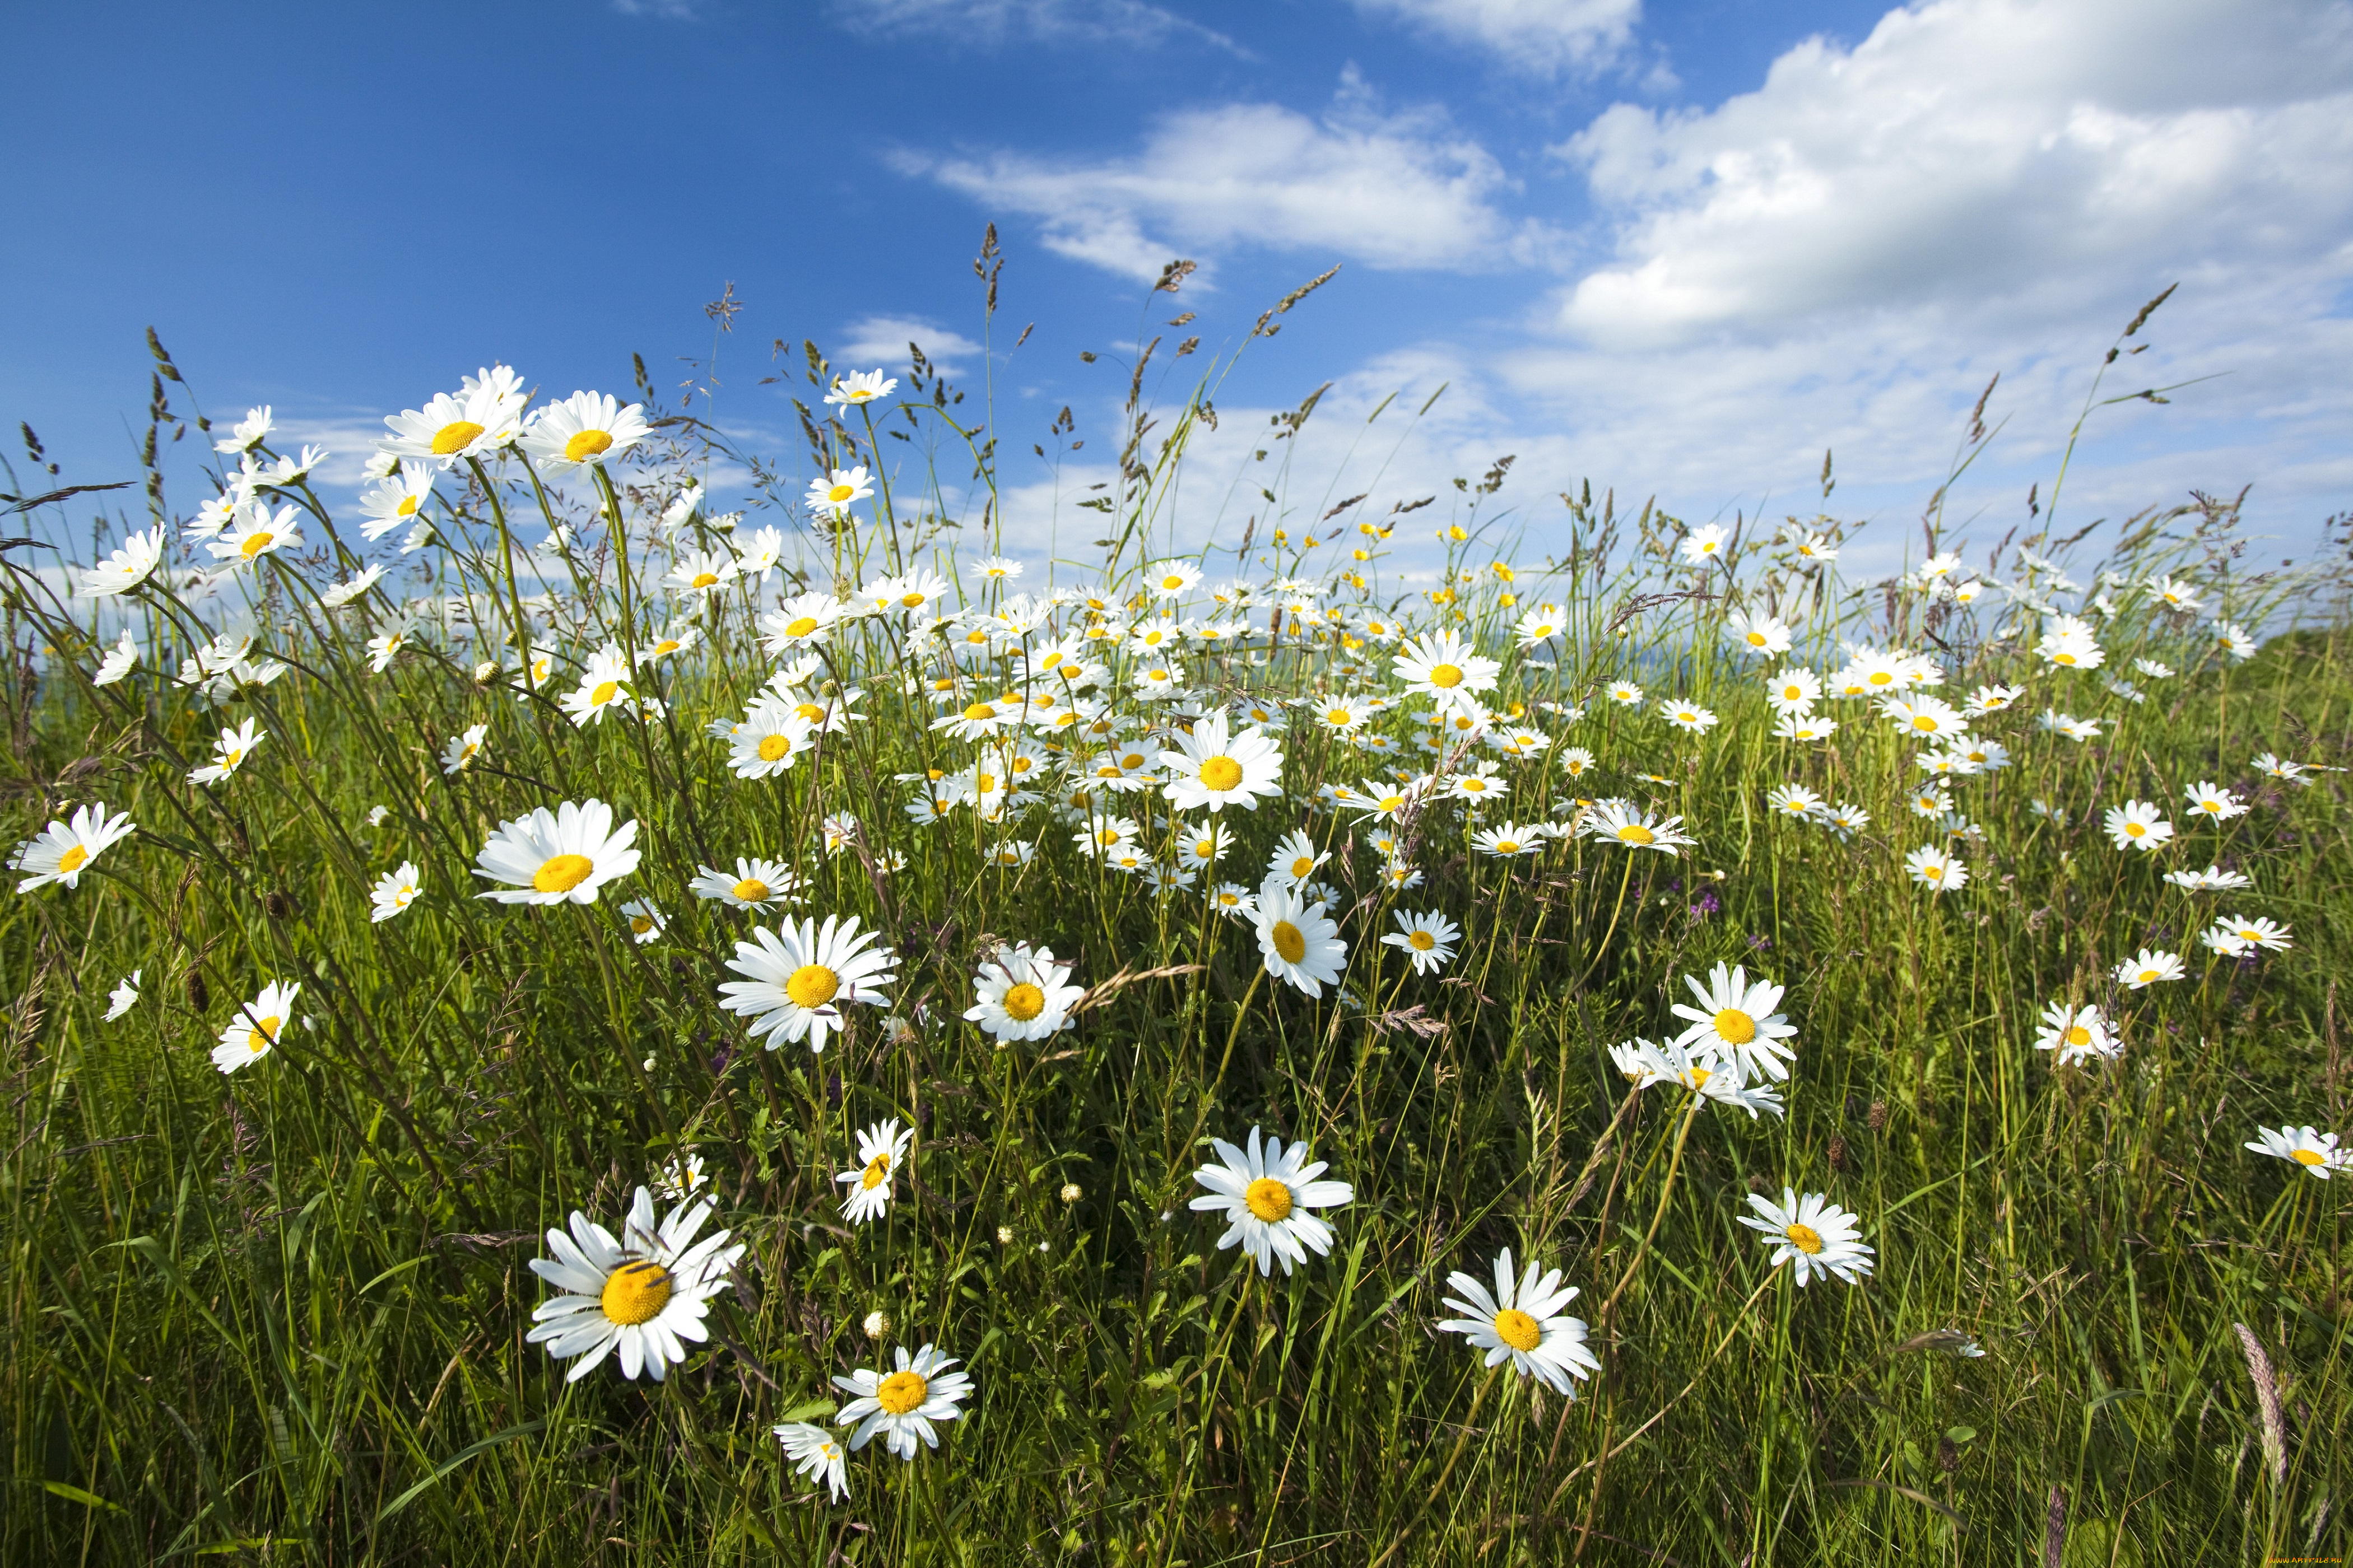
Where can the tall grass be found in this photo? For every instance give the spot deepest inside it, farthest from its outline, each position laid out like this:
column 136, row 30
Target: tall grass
column 280, row 1315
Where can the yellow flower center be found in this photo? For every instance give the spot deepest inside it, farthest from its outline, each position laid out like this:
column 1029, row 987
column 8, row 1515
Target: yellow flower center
column 1391, row 802
column 589, row 443
column 840, row 494
column 1805, row 1238
column 901, row 1391
column 1024, row 1002
column 2079, row 1035
column 1755, row 639
column 1446, row 677
column 752, row 891
column 1517, row 1330
column 640, row 924
column 2249, row 933
column 265, row 1030
column 1205, row 849
column 74, row 859
column 256, row 543
column 801, row 626
column 2064, row 659
column 1507, row 845
column 637, row 1292
column 1933, row 872
column 773, row 747
column 1923, row 722
column 911, row 601
column 1879, row 678
column 812, row 985
column 1474, row 786
column 704, row 580
column 2133, row 830
column 563, row 873
column 455, row 438
column 2147, row 975
column 979, row 713
column 1302, row 864
column 1172, row 581
column 878, row 1171
column 1288, row 942
column 603, row 692
column 2307, row 1156
column 1635, row 833
column 407, row 507
column 1735, row 1027
column 1269, row 1199
column 1421, row 940
column 812, row 711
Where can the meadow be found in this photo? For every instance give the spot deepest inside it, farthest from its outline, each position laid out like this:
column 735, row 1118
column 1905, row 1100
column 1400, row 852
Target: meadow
column 550, row 1023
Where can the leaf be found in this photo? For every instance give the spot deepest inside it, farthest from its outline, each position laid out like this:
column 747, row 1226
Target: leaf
column 459, row 1457
column 1923, row 1499
column 74, row 1494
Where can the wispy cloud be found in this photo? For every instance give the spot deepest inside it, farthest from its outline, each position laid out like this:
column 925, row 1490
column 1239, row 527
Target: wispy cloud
column 884, row 340
column 995, row 23
column 1539, row 36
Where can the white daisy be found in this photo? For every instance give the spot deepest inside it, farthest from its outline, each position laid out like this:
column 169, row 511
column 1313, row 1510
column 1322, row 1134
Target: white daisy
column 256, row 1028
column 645, row 1294
column 834, row 496
column 1444, row 668
column 902, row 1403
column 63, row 850
column 2149, row 967
column 2138, row 825
column 480, row 419
column 756, row 884
column 550, row 856
column 1023, row 993
column 2316, row 1151
column 1266, row 1194
column 586, row 430
column 1523, row 1323
column 1935, row 870
column 123, row 997
column 880, row 1150
column 1210, row 770
column 1299, row 942
column 798, row 978
column 393, row 892
column 1428, row 939
column 230, row 754
column 125, row 569
column 816, row 1454
column 859, row 386
column 1737, row 1019
column 2077, row 1033
column 1816, row 1235
column 463, row 748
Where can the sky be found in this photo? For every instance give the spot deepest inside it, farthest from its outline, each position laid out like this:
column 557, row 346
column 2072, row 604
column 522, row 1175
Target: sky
column 1675, row 249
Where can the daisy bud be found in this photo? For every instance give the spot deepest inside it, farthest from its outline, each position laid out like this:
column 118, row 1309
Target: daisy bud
column 1004, row 1235
column 1070, row 1193
column 877, row 1324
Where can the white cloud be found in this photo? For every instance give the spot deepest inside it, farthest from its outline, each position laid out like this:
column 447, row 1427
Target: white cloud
column 1401, row 191
column 884, row 339
column 668, row 10
column 997, row 21
column 1532, row 35
column 2002, row 159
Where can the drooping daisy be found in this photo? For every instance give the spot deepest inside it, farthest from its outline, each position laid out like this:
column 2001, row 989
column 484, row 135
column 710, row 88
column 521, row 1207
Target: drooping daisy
column 119, row 660
column 2316, row 1151
column 901, row 1405
column 1210, row 770
column 586, row 430
column 880, row 1150
column 1522, row 1322
column 397, row 502
column 249, row 432
column 2138, row 825
column 798, row 979
column 1298, row 942
column 2077, row 1033
column 1023, row 993
column 2213, row 879
column 125, row 569
column 645, row 1294
column 394, row 892
column 551, row 857
column 2285, row 771
column 255, row 1030
column 63, row 850
column 756, row 885
column 1816, row 1235
column 1623, row 822
column 463, row 748
column 1266, row 1194
column 1428, row 939
column 123, row 997
column 1936, row 869
column 1737, row 1019
column 230, row 754
column 2149, row 967
column 816, row 1454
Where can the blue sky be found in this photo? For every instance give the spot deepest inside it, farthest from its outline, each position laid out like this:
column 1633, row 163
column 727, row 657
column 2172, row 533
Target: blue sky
column 1678, row 248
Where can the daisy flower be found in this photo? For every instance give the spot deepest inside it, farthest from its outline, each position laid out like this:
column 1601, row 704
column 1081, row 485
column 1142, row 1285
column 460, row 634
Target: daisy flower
column 1538, row 627
column 2280, row 768
column 1845, row 820
column 700, row 571
column 2213, row 879
column 880, row 1147
column 125, row 569
column 1234, row 901
column 1794, row 800
column 814, row 1453
column 1023, row 993
column 1576, row 761
column 230, row 754
column 1688, row 717
column 256, row 1028
column 1737, row 1019
column 1509, row 840
column 2077, row 1033
column 463, row 749
column 644, row 1295
column 249, row 432
column 1522, row 1322
column 2069, row 645
column 858, row 387
column 1758, row 635
column 2138, row 825
column 119, row 660
column 2236, row 935
column 1266, row 1194
column 1816, row 1236
column 587, row 429
column 480, row 418
column 1936, row 870
column 63, row 850
column 803, row 620
column 2147, row 967
column 604, row 684
column 393, row 892
column 1298, row 942
column 1172, row 579
column 996, row 569
column 2316, row 1152
column 2212, row 800
column 1443, row 667
column 1211, row 770
column 1623, row 822
column 646, row 921
column 798, row 978
column 901, row 1405
column 1295, row 858
column 771, row 739
column 1201, row 846
column 1924, row 717
column 835, row 495
column 1427, row 939
column 123, row 997
column 755, row 885
column 1478, row 786
column 1794, row 691
column 1704, row 543
column 397, row 502
column 907, row 592
column 550, row 856
column 259, row 534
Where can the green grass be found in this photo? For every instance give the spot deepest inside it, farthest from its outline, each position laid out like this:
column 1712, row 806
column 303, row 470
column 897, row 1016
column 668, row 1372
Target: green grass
column 279, row 1316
